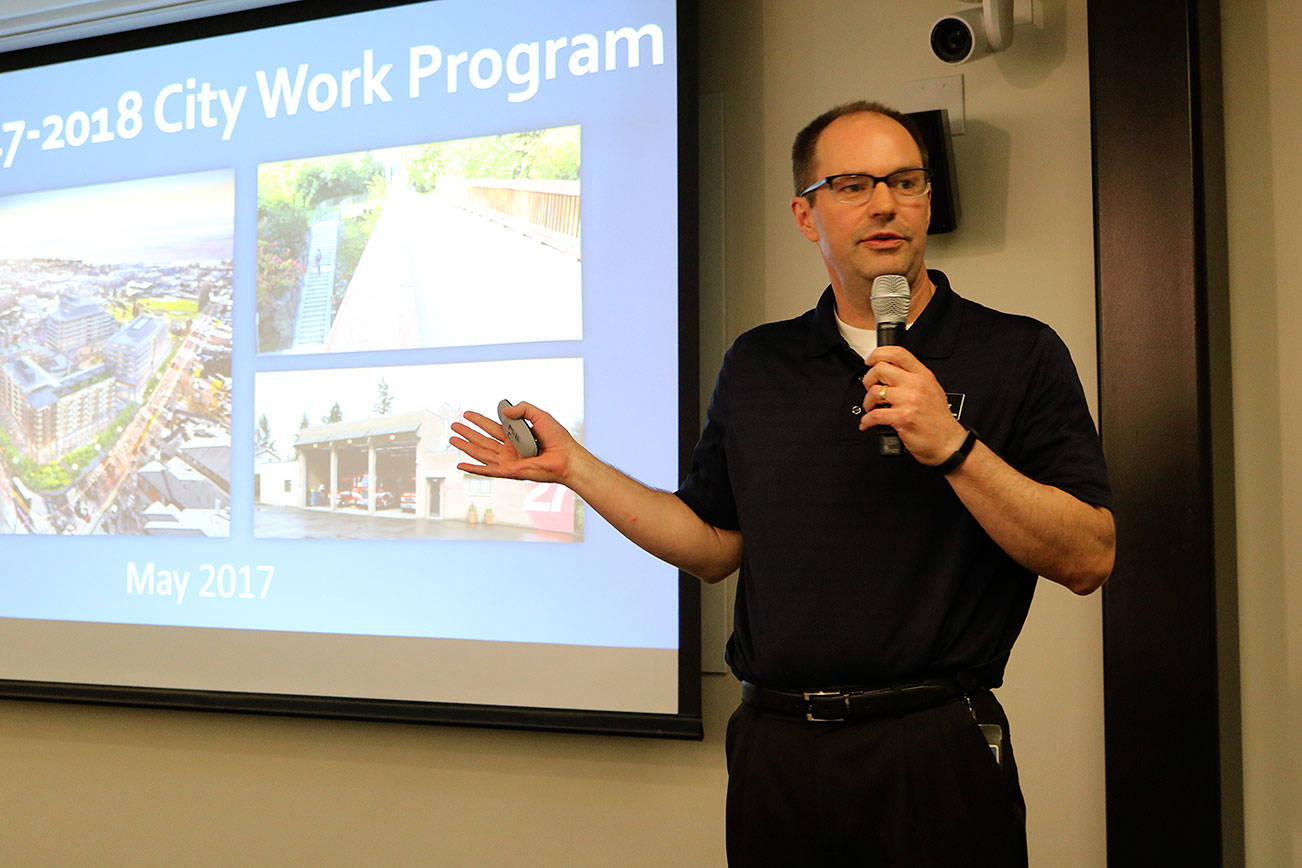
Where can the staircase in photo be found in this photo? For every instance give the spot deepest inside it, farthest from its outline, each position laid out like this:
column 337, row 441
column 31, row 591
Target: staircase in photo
column 315, row 306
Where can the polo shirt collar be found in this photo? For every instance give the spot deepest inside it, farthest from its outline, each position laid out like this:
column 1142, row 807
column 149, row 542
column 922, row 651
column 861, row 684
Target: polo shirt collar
column 932, row 335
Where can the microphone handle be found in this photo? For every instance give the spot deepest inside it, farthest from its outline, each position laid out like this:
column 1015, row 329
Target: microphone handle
column 889, row 334
column 888, row 442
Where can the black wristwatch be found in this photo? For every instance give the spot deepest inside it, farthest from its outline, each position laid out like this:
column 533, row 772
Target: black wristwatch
column 950, row 464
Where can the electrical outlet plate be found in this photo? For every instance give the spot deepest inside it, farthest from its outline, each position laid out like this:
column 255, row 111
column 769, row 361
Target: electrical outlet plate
column 945, row 92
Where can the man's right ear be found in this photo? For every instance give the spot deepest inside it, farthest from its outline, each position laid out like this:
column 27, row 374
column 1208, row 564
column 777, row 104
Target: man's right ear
column 804, row 214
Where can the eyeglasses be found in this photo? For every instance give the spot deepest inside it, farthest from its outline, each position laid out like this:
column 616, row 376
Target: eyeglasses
column 854, row 188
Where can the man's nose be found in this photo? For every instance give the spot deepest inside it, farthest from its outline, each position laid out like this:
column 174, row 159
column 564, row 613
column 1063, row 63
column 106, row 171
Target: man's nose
column 882, row 200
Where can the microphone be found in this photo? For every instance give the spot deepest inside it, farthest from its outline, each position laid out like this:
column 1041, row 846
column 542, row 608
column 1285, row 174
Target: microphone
column 890, row 300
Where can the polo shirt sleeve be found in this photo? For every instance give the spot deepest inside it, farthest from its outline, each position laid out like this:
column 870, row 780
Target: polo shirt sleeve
column 708, row 487
column 1056, row 441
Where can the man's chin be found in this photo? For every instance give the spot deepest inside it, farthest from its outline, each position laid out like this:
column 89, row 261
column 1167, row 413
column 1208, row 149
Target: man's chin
column 889, row 265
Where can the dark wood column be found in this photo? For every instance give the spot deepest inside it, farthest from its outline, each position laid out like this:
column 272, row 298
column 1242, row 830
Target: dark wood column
column 1170, row 621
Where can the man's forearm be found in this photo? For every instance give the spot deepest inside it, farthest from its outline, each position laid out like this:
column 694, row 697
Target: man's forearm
column 657, row 521
column 1041, row 527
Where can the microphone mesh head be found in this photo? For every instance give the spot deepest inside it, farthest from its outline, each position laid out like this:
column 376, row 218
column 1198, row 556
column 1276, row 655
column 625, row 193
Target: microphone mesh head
column 890, row 298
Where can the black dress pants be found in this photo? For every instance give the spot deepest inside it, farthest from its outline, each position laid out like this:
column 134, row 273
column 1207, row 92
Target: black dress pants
column 919, row 789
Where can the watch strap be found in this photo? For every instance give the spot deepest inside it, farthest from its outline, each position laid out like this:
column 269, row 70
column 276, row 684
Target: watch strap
column 952, row 463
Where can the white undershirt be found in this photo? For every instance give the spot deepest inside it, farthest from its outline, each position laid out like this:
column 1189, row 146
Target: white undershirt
column 862, row 341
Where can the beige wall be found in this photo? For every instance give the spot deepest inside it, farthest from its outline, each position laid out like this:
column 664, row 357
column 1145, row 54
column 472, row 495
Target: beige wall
column 103, row 786
column 152, row 787
column 1263, row 121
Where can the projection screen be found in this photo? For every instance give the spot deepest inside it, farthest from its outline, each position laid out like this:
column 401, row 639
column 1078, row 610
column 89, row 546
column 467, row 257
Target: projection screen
column 251, row 269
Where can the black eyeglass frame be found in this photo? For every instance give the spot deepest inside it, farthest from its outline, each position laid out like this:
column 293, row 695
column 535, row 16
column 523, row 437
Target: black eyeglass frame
column 886, row 179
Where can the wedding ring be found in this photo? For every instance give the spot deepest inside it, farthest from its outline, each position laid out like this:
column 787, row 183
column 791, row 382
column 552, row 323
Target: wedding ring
column 881, row 392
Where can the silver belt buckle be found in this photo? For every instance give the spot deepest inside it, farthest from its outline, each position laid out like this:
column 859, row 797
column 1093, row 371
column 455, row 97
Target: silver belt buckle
column 809, row 705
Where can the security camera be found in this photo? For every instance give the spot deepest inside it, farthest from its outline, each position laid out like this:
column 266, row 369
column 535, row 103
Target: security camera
column 973, row 33
column 960, row 37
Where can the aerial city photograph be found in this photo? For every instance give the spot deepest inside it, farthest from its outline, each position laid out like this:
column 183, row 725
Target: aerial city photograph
column 115, row 357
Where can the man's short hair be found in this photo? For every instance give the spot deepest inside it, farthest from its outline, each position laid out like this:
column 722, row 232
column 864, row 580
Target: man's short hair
column 802, row 150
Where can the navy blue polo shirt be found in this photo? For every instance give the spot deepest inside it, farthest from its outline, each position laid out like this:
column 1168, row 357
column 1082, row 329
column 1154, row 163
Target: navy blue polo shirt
column 863, row 569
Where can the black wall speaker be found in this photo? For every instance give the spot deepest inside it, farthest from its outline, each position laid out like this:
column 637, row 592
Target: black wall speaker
column 934, row 125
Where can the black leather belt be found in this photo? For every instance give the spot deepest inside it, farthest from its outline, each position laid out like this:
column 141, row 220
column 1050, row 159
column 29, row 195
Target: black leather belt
column 831, row 706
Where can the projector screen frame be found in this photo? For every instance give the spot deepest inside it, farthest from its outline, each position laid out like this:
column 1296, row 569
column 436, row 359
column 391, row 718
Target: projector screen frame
column 687, row 722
